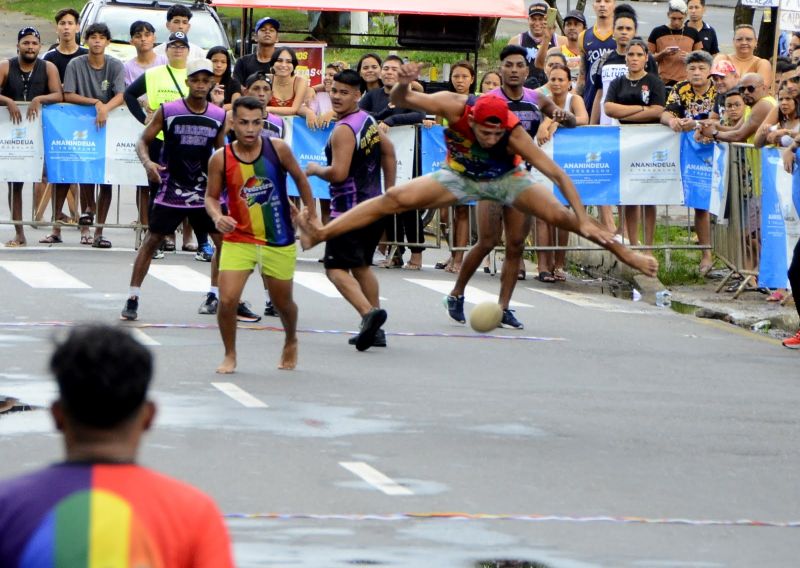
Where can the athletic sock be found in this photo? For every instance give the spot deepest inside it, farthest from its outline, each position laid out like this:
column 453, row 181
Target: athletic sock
column 214, row 290
column 266, row 295
column 134, row 292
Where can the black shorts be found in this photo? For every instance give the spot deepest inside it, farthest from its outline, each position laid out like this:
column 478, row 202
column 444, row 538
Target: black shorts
column 164, row 220
column 353, row 249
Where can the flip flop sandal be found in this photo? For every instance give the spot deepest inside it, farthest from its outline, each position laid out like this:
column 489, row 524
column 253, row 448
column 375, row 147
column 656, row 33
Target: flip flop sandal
column 87, row 239
column 101, row 243
column 546, row 277
column 560, row 275
column 168, row 245
column 775, row 297
column 410, row 266
column 86, row 219
column 13, row 243
column 521, row 275
column 189, row 247
column 440, row 265
column 51, row 240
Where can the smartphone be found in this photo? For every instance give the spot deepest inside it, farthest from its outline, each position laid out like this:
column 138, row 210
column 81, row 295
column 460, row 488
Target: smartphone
column 552, row 14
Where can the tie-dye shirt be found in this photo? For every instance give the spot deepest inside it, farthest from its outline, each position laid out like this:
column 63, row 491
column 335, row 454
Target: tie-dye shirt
column 257, row 199
column 81, row 515
column 465, row 156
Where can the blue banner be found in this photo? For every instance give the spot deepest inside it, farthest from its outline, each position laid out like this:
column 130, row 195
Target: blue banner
column 74, row 148
column 697, row 171
column 434, row 150
column 591, row 159
column 309, row 146
column 779, row 196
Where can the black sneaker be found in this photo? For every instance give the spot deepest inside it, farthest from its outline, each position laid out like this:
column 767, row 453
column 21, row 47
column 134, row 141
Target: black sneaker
column 209, row 305
column 269, row 310
column 379, row 341
column 455, row 307
column 245, row 314
column 131, row 310
column 370, row 324
column 509, row 321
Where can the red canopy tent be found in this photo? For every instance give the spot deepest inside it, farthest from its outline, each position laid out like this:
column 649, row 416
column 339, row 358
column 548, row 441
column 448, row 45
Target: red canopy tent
column 481, row 8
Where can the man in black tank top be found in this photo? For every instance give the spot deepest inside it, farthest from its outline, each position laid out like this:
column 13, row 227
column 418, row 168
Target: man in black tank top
column 25, row 78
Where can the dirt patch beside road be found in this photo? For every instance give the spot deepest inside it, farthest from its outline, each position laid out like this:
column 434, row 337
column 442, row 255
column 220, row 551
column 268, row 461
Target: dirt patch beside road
column 12, row 22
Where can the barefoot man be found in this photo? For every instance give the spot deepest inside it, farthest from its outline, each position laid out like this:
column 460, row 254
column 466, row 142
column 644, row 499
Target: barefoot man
column 485, row 149
column 257, row 226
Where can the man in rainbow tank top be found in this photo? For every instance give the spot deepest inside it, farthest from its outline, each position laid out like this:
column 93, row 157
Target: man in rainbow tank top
column 257, row 227
column 98, row 507
column 357, row 151
column 485, row 150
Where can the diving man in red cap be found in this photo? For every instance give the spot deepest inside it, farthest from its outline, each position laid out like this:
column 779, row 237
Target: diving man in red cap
column 486, row 152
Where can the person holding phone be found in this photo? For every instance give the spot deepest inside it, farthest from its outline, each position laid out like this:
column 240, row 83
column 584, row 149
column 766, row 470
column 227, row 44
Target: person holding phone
column 227, row 88
column 671, row 43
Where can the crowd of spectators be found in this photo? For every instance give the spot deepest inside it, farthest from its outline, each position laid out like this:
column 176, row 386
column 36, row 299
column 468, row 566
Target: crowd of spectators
column 610, row 73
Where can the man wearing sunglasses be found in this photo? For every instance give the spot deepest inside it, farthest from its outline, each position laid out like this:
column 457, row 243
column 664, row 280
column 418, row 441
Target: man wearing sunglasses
column 756, row 96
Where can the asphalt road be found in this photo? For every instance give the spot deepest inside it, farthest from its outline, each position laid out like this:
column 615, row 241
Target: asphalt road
column 599, row 408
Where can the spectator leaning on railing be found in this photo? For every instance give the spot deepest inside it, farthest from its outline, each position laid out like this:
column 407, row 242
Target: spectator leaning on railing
column 98, row 80
column 637, row 98
column 782, row 132
column 26, row 78
column 690, row 102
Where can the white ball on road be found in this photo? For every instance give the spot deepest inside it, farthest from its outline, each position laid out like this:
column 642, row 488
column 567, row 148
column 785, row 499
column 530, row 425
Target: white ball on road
column 485, row 317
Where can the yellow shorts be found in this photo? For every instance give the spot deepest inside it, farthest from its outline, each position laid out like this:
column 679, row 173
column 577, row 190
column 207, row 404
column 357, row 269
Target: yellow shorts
column 275, row 262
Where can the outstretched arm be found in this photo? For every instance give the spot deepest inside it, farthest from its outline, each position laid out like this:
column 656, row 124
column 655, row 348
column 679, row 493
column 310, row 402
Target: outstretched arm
column 444, row 104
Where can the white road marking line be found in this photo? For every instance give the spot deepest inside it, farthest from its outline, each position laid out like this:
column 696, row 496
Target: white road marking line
column 591, row 301
column 318, row 283
column 41, row 274
column 472, row 295
column 181, row 277
column 239, row 395
column 142, row 337
column 376, row 478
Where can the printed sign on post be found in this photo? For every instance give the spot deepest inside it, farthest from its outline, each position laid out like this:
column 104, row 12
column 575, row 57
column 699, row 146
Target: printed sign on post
column 310, row 61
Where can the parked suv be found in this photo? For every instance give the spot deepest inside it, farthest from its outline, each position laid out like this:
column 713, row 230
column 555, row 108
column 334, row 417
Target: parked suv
column 118, row 15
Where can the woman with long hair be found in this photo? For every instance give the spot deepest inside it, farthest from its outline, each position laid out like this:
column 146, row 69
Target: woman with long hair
column 226, row 88
column 369, row 68
column 288, row 89
column 637, row 97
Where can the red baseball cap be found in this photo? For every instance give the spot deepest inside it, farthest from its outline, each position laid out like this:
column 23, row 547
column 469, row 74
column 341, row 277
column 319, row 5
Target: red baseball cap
column 490, row 110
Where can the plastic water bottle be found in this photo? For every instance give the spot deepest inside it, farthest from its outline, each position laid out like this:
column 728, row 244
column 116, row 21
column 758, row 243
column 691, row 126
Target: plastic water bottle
column 636, row 295
column 663, row 299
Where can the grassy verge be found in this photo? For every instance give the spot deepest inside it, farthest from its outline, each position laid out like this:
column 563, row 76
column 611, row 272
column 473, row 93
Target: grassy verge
column 683, row 264
column 40, row 8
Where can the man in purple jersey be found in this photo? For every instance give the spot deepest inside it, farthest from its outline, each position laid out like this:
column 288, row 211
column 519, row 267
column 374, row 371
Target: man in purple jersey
column 193, row 128
column 356, row 151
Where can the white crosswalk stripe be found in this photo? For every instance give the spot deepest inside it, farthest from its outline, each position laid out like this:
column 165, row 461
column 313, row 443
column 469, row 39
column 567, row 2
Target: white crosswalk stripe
column 41, row 274
column 183, row 278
